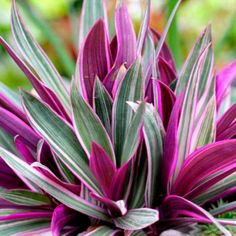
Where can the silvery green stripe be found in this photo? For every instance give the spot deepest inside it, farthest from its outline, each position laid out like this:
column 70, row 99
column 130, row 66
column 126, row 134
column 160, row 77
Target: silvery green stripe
column 61, row 139
column 88, row 126
column 35, row 56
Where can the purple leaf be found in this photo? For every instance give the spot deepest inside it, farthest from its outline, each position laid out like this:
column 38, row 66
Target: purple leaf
column 166, row 72
column 175, row 205
column 95, row 58
column 170, row 151
column 10, row 106
column 166, row 100
column 208, row 160
column 224, row 79
column 61, row 216
column 126, row 39
column 102, row 167
column 15, row 126
column 23, row 150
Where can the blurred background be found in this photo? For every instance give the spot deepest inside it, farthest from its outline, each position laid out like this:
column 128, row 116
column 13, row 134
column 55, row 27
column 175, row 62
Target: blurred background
column 55, row 25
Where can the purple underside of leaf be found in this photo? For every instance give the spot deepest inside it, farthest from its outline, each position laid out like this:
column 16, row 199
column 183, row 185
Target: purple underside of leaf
column 16, row 126
column 23, row 150
column 95, row 58
column 209, row 160
column 226, row 120
column 114, row 209
column 8, row 179
column 209, row 183
column 102, row 167
column 149, row 91
column 173, row 206
column 126, row 39
column 8, row 105
column 170, row 151
column 167, row 74
column 228, row 133
column 26, row 216
column 46, row 94
column 61, row 216
column 113, row 47
column 166, row 100
column 224, row 79
column 165, row 51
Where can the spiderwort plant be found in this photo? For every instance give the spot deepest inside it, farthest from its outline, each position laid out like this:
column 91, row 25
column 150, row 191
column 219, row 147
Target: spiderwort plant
column 134, row 148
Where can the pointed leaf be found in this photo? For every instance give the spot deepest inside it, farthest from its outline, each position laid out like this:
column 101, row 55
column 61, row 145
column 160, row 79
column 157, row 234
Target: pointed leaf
column 88, row 126
column 35, row 56
column 130, row 89
column 91, row 12
column 57, row 132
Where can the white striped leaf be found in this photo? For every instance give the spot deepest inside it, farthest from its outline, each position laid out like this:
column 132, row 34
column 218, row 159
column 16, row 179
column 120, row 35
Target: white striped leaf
column 35, row 56
column 136, row 219
column 61, row 139
column 88, row 126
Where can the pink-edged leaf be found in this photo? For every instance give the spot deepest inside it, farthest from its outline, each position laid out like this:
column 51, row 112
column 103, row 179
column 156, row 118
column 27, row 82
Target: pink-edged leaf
column 144, row 28
column 224, row 79
column 203, row 40
column 226, row 120
column 166, row 72
column 91, row 12
column 56, row 131
column 208, row 160
column 10, row 106
column 15, row 126
column 126, row 39
column 136, row 219
column 170, row 151
column 102, row 167
column 174, row 205
column 226, row 207
column 61, row 216
column 26, row 216
column 166, row 100
column 23, row 150
column 187, row 118
column 60, row 193
column 118, row 182
column 36, row 57
column 45, row 93
column 95, row 58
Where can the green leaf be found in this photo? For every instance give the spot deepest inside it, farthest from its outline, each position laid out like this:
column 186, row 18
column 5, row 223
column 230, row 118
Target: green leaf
column 61, row 138
column 103, row 105
column 25, row 198
column 193, row 56
column 7, row 141
column 88, row 126
column 133, row 135
column 53, row 188
column 67, row 62
column 36, row 57
column 154, row 144
column 130, row 89
column 91, row 12
column 189, row 108
column 10, row 228
column 136, row 219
